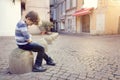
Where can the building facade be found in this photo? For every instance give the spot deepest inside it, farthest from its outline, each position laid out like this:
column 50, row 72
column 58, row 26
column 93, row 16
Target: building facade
column 10, row 14
column 57, row 8
column 70, row 20
column 112, row 22
column 103, row 19
column 42, row 7
column 61, row 15
column 87, row 16
column 13, row 10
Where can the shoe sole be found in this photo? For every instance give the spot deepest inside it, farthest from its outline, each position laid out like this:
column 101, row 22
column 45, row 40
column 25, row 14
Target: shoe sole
column 38, row 70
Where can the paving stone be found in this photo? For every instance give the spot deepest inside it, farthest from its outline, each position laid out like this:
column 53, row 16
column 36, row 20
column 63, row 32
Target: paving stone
column 53, row 78
column 77, row 57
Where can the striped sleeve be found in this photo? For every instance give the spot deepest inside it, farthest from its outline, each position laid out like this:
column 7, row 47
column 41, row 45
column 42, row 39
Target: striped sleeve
column 21, row 33
column 25, row 32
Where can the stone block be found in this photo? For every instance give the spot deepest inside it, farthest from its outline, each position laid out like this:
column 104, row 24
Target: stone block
column 49, row 39
column 43, row 43
column 20, row 61
column 54, row 35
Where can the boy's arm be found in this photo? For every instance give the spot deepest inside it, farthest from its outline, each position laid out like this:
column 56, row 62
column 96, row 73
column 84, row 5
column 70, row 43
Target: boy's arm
column 29, row 40
column 26, row 34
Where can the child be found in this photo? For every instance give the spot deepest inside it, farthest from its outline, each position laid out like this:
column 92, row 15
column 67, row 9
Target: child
column 23, row 40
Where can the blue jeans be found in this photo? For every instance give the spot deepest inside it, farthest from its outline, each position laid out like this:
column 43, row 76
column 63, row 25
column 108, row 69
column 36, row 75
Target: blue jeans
column 36, row 48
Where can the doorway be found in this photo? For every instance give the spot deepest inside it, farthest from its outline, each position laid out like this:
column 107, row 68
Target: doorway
column 86, row 23
column 119, row 25
column 23, row 7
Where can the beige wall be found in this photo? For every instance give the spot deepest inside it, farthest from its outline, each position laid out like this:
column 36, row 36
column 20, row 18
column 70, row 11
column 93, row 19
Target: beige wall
column 10, row 14
column 110, row 9
column 104, row 19
column 78, row 18
column 40, row 6
column 112, row 17
column 112, row 20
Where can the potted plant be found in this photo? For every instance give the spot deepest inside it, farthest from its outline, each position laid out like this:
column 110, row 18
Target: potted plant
column 45, row 27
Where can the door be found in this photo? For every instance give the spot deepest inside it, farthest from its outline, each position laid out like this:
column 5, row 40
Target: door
column 86, row 23
column 69, row 25
column 119, row 25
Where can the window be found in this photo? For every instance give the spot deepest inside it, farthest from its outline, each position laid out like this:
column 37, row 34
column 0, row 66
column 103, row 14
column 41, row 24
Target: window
column 23, row 6
column 69, row 24
column 71, row 4
column 67, row 4
column 74, row 3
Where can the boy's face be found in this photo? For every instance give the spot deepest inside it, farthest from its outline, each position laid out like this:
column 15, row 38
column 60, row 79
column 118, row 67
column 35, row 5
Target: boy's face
column 29, row 22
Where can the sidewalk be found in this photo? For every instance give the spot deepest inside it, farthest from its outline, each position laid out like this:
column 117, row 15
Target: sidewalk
column 78, row 57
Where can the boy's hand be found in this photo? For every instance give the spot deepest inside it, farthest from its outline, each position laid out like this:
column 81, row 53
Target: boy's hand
column 29, row 41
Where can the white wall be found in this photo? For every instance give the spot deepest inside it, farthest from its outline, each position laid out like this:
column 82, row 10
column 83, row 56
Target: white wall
column 90, row 3
column 10, row 13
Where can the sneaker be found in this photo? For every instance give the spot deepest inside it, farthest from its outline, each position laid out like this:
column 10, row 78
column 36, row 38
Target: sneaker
column 51, row 63
column 39, row 69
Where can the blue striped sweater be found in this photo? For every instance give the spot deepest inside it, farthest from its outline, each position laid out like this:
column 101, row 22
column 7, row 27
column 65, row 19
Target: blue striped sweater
column 21, row 33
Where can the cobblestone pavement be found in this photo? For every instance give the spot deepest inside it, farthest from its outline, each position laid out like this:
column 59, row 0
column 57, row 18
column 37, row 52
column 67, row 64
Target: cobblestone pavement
column 78, row 58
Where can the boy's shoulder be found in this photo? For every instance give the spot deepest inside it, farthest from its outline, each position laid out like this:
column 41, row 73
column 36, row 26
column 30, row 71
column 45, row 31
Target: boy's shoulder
column 21, row 23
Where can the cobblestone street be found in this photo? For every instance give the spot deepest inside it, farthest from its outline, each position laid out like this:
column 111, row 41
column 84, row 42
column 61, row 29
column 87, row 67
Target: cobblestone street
column 78, row 57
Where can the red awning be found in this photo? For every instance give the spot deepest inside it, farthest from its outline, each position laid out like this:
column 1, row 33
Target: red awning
column 83, row 11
